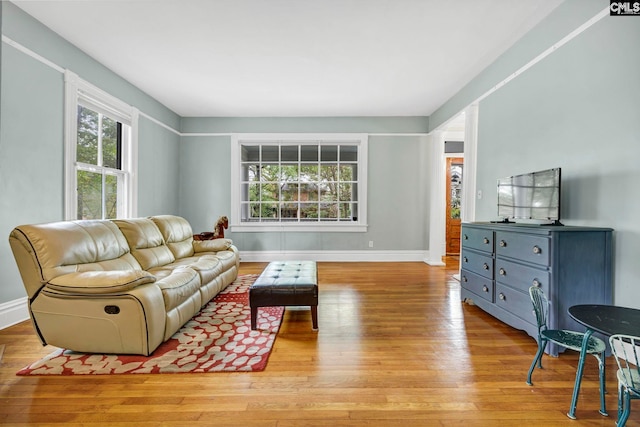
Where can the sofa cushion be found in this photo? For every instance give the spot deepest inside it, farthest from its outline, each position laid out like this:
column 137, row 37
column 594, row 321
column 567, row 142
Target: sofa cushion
column 227, row 258
column 100, row 282
column 213, row 245
column 208, row 268
column 178, row 286
column 177, row 233
column 146, row 242
column 69, row 246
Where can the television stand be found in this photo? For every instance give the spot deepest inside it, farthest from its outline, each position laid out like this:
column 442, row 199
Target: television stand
column 499, row 262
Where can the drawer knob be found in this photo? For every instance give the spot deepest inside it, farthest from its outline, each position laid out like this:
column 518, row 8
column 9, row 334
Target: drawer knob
column 485, row 266
column 465, row 259
column 465, row 237
column 537, row 250
column 485, row 288
column 501, row 296
column 486, row 241
column 536, row 283
column 464, row 279
column 502, row 272
column 502, row 244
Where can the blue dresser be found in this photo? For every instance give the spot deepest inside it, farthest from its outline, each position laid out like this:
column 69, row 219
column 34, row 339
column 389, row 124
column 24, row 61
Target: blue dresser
column 499, row 262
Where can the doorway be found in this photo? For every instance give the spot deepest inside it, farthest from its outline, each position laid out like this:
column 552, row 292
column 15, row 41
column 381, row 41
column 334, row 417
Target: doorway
column 454, row 170
column 462, row 128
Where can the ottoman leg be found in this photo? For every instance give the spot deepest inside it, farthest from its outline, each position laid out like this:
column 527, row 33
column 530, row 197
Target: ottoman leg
column 254, row 317
column 314, row 317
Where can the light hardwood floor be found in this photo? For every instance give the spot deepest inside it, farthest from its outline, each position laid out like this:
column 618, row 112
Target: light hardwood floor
column 395, row 347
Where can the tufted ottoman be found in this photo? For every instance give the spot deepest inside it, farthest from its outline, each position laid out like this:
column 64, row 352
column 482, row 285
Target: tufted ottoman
column 286, row 283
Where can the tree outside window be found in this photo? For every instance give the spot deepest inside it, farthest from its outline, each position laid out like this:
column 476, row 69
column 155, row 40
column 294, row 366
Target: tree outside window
column 300, row 183
column 99, row 144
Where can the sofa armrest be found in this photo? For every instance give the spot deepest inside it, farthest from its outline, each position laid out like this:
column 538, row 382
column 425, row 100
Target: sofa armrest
column 100, row 282
column 215, row 245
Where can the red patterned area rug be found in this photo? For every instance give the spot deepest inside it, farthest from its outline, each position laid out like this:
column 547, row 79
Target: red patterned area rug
column 217, row 339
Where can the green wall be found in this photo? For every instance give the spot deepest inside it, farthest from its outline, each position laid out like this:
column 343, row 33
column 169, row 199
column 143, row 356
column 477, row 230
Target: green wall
column 577, row 109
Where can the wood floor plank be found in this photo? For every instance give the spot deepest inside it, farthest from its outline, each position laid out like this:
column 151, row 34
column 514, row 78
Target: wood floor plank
column 395, row 347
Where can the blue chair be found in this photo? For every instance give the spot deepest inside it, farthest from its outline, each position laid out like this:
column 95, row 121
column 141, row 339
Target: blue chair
column 567, row 339
column 625, row 350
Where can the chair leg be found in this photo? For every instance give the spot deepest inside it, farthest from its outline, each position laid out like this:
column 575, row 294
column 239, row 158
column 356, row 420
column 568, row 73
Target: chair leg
column 620, row 401
column 576, row 387
column 601, row 369
column 542, row 343
column 622, row 419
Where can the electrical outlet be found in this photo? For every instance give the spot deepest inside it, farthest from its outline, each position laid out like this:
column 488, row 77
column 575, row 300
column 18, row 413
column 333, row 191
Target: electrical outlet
column 370, row 243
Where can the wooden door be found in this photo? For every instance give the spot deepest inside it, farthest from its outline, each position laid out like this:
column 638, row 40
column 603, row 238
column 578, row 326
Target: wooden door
column 454, row 197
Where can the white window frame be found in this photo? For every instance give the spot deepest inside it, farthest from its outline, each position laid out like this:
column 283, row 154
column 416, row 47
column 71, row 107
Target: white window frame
column 79, row 91
column 357, row 139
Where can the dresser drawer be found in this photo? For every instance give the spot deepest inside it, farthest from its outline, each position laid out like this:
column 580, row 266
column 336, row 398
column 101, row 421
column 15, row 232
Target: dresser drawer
column 479, row 285
column 478, row 263
column 515, row 302
column 525, row 247
column 477, row 238
column 520, row 276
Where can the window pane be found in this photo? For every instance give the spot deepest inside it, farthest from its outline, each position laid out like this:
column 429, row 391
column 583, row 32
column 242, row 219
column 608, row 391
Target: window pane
column 329, row 172
column 348, row 153
column 308, row 172
column 308, row 210
column 270, row 211
column 329, row 153
column 346, row 172
column 110, row 143
column 345, row 211
column 87, row 145
column 308, row 192
column 309, row 153
column 89, row 195
column 270, row 153
column 270, row 193
column 456, row 190
column 254, row 210
column 289, row 210
column 344, row 192
column 250, row 153
column 254, row 193
column 251, row 172
column 270, row 173
column 328, row 210
column 289, row 173
column 289, row 153
column 111, row 197
column 329, row 192
column 290, row 192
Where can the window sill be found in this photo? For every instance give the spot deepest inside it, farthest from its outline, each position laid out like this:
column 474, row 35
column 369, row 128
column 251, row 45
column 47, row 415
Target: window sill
column 319, row 228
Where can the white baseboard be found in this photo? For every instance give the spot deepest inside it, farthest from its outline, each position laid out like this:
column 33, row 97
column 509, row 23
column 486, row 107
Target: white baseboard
column 334, row 256
column 13, row 312
column 435, row 262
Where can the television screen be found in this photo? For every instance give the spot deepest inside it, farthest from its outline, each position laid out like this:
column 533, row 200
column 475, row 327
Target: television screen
column 533, row 195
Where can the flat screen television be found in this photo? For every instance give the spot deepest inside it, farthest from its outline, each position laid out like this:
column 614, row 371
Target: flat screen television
column 532, row 196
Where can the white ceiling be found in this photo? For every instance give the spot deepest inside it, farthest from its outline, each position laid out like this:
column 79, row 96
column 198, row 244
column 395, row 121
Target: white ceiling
column 269, row 58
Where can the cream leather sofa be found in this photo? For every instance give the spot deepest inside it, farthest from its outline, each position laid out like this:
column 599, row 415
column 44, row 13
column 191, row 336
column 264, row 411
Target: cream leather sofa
column 120, row 286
